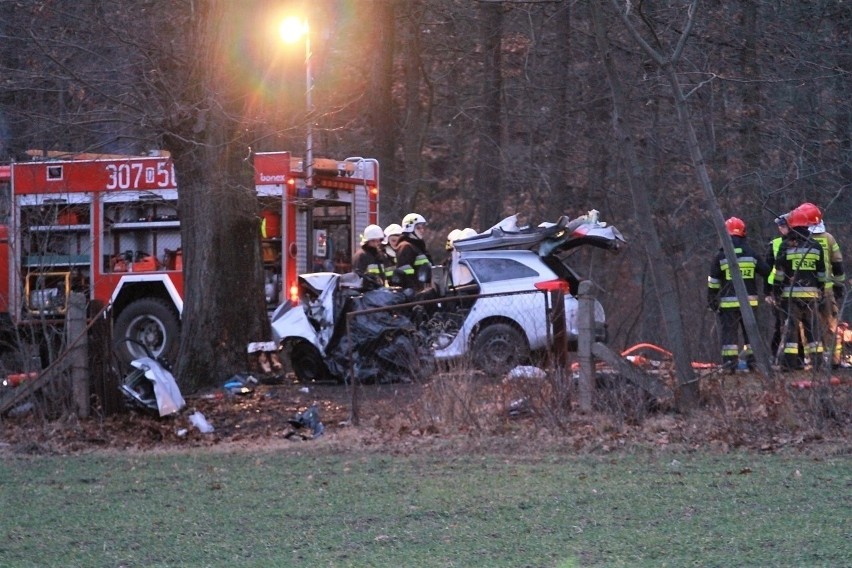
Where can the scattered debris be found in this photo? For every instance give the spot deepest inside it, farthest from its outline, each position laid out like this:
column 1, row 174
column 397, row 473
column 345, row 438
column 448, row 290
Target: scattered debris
column 519, row 407
column 21, row 409
column 153, row 387
column 241, row 384
column 308, row 419
column 806, row 384
column 526, row 372
column 197, row 419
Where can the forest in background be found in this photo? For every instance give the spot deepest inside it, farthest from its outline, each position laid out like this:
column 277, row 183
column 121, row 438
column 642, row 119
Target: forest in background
column 475, row 109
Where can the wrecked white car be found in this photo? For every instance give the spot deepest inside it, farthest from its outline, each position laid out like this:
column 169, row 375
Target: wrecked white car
column 491, row 307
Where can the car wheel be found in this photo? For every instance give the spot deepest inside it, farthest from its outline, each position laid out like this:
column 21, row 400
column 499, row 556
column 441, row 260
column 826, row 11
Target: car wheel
column 147, row 327
column 307, row 362
column 499, row 347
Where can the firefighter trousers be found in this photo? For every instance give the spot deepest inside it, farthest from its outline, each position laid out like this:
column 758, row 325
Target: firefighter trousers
column 780, row 315
column 730, row 324
column 828, row 321
column 804, row 313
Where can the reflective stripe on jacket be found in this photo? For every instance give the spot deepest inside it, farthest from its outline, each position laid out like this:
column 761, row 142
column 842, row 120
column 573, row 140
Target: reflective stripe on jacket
column 800, row 269
column 833, row 259
column 720, row 285
column 775, row 246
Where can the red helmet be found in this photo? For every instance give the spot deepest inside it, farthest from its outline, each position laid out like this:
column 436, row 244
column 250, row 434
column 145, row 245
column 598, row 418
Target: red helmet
column 798, row 218
column 735, row 226
column 811, row 212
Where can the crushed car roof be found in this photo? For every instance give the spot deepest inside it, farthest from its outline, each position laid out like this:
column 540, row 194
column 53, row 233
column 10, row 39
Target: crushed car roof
column 546, row 238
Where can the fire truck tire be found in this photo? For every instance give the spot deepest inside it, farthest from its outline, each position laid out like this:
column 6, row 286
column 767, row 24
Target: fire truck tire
column 499, row 347
column 150, row 322
column 307, row 362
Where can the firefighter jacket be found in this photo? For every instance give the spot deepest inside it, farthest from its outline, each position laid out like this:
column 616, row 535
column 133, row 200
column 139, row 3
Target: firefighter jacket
column 390, row 264
column 771, row 255
column 411, row 259
column 834, row 275
column 720, row 286
column 799, row 267
column 368, row 264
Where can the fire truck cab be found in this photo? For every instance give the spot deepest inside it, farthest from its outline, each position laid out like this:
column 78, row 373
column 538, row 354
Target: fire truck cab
column 106, row 226
column 312, row 229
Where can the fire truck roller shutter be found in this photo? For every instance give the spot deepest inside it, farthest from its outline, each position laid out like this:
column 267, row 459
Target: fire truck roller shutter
column 145, row 327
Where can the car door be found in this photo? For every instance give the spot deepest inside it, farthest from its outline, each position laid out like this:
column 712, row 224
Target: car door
column 512, row 275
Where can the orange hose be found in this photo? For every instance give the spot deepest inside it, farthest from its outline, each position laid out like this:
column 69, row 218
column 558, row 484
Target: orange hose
column 651, row 346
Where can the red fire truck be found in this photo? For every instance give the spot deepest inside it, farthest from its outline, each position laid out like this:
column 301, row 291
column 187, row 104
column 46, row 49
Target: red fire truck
column 103, row 225
column 108, row 226
column 312, row 229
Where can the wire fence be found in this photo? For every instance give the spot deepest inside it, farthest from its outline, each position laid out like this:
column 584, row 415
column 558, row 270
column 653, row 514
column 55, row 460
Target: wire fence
column 461, row 343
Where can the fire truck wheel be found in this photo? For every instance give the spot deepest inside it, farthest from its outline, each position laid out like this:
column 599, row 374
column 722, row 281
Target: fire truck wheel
column 307, row 362
column 498, row 347
column 151, row 323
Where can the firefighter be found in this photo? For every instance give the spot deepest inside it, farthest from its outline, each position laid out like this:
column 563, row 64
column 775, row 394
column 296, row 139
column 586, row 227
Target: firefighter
column 800, row 286
column 368, row 262
column 451, row 237
column 777, row 311
column 834, row 279
column 392, row 234
column 722, row 297
column 411, row 256
column 459, row 273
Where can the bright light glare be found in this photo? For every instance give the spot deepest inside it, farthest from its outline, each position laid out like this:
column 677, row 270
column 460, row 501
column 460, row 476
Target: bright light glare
column 292, row 29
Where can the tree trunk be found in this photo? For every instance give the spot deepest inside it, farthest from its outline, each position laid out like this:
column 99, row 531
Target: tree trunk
column 413, row 120
column 486, row 179
column 223, row 300
column 383, row 111
column 562, row 197
column 662, row 273
column 751, row 88
column 668, row 66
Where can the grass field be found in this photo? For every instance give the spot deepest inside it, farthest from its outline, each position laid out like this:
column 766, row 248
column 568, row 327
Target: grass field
column 321, row 508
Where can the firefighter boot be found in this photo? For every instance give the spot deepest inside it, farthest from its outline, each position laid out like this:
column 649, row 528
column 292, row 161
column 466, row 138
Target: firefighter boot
column 790, row 362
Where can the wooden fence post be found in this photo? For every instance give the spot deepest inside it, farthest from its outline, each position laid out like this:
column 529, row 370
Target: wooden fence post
column 75, row 336
column 585, row 339
column 105, row 379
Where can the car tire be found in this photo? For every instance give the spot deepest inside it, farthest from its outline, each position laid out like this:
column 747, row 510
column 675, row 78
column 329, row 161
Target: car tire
column 307, row 363
column 499, row 347
column 151, row 324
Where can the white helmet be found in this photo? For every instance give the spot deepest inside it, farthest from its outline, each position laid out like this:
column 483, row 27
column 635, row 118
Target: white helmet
column 410, row 220
column 390, row 231
column 372, row 232
column 454, row 234
column 467, row 233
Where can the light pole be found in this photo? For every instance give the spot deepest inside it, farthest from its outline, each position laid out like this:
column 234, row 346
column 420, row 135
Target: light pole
column 291, row 30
